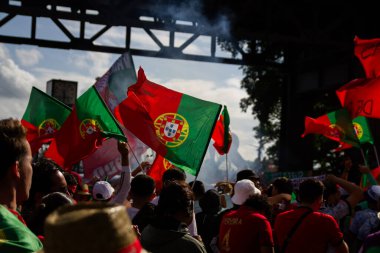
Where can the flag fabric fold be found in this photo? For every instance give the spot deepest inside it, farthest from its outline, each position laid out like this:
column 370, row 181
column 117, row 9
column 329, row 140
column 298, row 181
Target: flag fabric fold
column 360, row 97
column 159, row 166
column 176, row 126
column 43, row 117
column 222, row 136
column 368, row 53
column 84, row 130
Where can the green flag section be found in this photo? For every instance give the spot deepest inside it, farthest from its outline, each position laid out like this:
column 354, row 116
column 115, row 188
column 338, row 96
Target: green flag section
column 335, row 125
column 222, row 135
column 43, row 117
column 15, row 237
column 362, row 130
column 84, row 130
column 177, row 126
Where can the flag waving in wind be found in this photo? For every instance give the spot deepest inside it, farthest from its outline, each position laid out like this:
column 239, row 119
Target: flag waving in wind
column 43, row 117
column 335, row 125
column 176, row 126
column 84, row 130
column 368, row 52
column 222, row 135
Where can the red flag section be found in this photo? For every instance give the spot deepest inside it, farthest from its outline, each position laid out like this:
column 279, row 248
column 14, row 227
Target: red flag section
column 221, row 135
column 320, row 125
column 361, row 97
column 368, row 52
column 159, row 166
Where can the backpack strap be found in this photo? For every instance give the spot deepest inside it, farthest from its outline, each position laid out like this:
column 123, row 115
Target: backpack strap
column 294, row 228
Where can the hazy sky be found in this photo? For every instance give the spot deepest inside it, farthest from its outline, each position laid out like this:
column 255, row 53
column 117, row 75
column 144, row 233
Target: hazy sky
column 23, row 66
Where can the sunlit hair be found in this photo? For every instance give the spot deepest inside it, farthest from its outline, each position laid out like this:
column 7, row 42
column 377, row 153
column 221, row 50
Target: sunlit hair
column 12, row 143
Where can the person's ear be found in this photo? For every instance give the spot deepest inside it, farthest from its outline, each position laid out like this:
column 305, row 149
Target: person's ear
column 15, row 169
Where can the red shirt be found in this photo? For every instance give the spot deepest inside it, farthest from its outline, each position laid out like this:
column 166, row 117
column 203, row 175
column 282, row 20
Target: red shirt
column 316, row 232
column 244, row 230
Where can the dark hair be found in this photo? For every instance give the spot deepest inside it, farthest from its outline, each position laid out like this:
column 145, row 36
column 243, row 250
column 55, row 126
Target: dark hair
column 12, row 143
column 330, row 189
column 310, row 190
column 173, row 174
column 259, row 203
column 49, row 203
column 210, row 202
column 142, row 186
column 175, row 197
column 283, row 185
column 43, row 170
column 198, row 188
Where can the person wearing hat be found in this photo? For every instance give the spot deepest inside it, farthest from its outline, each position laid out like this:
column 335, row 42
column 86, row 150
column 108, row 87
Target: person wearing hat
column 366, row 221
column 92, row 227
column 15, row 182
column 83, row 193
column 246, row 229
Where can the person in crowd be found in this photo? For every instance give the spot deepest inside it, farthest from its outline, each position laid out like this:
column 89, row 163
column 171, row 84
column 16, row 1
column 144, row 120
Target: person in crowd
column 225, row 190
column 349, row 170
column 91, row 227
column 47, row 178
column 304, row 229
column 72, row 182
column 83, row 193
column 174, row 213
column 15, row 182
column 208, row 219
column 102, row 191
column 366, row 221
column 335, row 205
column 280, row 198
column 247, row 229
column 372, row 243
column 49, row 203
column 142, row 192
column 249, row 174
column 198, row 190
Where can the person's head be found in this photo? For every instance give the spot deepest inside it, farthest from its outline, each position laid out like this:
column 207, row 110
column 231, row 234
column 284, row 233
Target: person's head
column 91, row 227
column 311, row 193
column 282, row 185
column 72, row 182
column 331, row 193
column 102, row 191
column 249, row 174
column 174, row 174
column 49, row 203
column 83, row 193
column 224, row 187
column 15, row 158
column 243, row 189
column 142, row 187
column 372, row 195
column 48, row 177
column 176, row 201
column 259, row 203
column 210, row 202
column 198, row 189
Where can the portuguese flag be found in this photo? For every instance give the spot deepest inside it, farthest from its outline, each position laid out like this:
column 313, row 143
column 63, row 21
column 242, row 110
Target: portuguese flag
column 84, row 130
column 177, row 126
column 221, row 135
column 335, row 125
column 159, row 166
column 15, row 237
column 44, row 115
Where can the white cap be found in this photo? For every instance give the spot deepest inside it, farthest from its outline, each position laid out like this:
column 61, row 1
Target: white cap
column 102, row 190
column 374, row 192
column 243, row 189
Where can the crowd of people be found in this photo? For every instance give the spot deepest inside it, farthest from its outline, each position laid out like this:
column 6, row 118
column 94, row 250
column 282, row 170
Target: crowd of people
column 46, row 209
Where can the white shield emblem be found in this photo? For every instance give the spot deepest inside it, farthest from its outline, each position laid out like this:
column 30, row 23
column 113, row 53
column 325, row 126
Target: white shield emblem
column 170, row 129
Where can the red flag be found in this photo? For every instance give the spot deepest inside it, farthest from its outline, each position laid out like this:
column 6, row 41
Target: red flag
column 361, row 97
column 222, row 135
column 159, row 166
column 368, row 52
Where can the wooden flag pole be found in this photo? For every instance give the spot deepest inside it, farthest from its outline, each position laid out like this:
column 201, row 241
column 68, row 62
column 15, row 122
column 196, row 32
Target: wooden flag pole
column 137, row 160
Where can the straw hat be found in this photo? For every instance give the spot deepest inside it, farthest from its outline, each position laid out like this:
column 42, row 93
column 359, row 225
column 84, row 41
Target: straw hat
column 95, row 228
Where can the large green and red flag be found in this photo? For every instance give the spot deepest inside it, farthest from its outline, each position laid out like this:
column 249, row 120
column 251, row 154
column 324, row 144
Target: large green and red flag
column 175, row 125
column 84, row 130
column 43, row 117
column 335, row 125
column 361, row 97
column 368, row 52
column 222, row 136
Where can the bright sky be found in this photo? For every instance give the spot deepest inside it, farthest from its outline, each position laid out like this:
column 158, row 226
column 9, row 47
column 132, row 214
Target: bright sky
column 23, row 66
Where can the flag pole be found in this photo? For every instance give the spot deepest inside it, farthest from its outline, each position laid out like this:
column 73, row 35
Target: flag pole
column 226, row 167
column 137, row 160
column 377, row 157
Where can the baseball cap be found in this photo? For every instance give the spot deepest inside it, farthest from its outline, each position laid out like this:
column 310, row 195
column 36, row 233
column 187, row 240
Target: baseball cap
column 102, row 190
column 374, row 192
column 243, row 189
